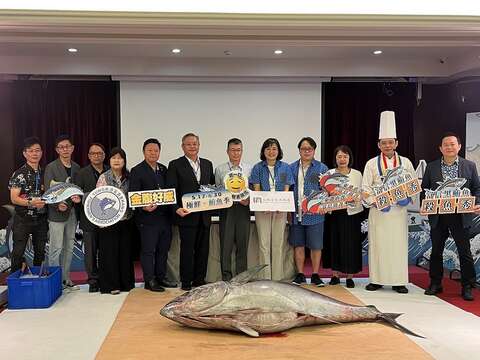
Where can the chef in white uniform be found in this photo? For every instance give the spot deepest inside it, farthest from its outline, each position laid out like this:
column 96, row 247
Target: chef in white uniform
column 387, row 229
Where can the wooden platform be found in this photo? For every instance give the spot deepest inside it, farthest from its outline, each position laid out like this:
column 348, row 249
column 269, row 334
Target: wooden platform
column 139, row 332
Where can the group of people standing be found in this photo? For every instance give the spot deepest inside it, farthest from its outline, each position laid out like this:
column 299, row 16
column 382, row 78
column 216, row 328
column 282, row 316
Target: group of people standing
column 108, row 250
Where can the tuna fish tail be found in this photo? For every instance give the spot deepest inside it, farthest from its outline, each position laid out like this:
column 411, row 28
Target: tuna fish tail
column 390, row 318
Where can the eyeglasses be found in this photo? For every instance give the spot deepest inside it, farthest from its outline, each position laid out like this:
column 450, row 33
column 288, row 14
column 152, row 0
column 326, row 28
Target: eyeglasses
column 33, row 151
column 96, row 153
column 306, row 149
column 64, row 147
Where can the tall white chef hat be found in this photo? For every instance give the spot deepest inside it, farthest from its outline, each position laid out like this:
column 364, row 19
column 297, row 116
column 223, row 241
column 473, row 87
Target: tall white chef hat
column 387, row 125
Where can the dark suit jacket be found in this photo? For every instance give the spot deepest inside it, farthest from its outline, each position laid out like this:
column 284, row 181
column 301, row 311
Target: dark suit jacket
column 180, row 176
column 467, row 170
column 142, row 177
column 85, row 178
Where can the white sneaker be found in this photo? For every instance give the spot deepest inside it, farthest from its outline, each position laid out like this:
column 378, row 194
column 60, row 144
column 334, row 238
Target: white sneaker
column 69, row 285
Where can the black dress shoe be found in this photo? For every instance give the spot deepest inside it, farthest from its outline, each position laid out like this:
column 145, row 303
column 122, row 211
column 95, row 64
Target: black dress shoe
column 467, row 293
column 350, row 283
column 152, row 285
column 334, row 280
column 167, row 284
column 400, row 289
column 433, row 289
column 373, row 287
column 93, row 288
column 186, row 287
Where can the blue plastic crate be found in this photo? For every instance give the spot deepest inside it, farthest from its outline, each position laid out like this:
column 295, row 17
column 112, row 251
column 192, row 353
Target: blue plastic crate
column 34, row 293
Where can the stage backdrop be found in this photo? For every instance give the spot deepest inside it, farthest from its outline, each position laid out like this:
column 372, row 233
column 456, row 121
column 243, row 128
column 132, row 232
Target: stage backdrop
column 216, row 112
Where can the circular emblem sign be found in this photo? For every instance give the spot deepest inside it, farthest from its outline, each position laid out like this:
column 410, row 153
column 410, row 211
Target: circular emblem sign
column 237, row 184
column 105, row 206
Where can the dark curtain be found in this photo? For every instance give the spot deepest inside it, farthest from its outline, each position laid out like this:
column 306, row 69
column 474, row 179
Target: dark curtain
column 85, row 110
column 351, row 116
column 443, row 108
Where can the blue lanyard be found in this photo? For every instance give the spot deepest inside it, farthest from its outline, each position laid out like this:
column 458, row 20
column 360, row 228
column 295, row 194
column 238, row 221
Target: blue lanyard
column 37, row 180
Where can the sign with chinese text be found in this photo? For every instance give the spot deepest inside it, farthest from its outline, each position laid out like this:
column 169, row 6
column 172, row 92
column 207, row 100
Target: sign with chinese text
column 152, row 197
column 448, row 198
column 237, row 184
column 272, row 201
column 207, row 200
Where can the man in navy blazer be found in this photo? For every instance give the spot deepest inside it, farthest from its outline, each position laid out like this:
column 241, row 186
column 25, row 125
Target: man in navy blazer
column 153, row 221
column 186, row 174
column 450, row 166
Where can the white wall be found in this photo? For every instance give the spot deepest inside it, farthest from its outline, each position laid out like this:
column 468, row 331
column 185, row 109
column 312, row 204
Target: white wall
column 217, row 112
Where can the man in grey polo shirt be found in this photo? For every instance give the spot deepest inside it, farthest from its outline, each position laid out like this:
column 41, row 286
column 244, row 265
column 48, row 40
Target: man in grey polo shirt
column 234, row 221
column 62, row 221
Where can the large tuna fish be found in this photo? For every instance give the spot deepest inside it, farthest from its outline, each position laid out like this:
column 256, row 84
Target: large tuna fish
column 264, row 306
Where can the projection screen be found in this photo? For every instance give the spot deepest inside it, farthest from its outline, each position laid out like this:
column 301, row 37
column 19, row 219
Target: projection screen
column 216, row 112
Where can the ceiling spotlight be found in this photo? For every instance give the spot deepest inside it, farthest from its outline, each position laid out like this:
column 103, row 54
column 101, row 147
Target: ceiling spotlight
column 176, row 51
column 278, row 52
column 227, row 52
column 72, row 50
column 377, row 52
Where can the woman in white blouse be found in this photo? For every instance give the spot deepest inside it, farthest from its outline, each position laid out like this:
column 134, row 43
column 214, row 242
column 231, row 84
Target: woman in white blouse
column 343, row 238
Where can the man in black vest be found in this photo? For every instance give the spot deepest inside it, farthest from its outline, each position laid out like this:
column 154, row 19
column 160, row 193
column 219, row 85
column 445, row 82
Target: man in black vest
column 451, row 166
column 186, row 174
column 154, row 222
column 87, row 178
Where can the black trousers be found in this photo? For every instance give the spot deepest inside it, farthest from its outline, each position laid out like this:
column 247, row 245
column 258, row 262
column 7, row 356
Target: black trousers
column 194, row 247
column 115, row 258
column 451, row 224
column 234, row 230
column 90, row 247
column 22, row 228
column 156, row 240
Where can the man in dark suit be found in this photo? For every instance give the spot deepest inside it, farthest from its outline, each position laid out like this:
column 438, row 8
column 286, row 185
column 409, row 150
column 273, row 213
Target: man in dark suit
column 153, row 221
column 448, row 167
column 87, row 178
column 186, row 174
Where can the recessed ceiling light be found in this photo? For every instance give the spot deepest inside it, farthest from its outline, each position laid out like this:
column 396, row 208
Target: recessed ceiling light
column 227, row 52
column 72, row 50
column 377, row 52
column 176, row 51
column 278, row 52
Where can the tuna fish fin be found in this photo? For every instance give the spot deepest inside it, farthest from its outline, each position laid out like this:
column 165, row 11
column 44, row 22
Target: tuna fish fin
column 246, row 329
column 248, row 275
column 390, row 319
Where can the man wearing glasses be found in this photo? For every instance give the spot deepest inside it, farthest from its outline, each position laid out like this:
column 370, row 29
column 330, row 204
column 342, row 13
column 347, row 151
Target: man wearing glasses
column 306, row 230
column 62, row 221
column 234, row 221
column 26, row 189
column 86, row 179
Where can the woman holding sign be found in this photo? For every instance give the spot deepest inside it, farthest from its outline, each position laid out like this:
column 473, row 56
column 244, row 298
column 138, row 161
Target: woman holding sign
column 343, row 238
column 271, row 174
column 115, row 259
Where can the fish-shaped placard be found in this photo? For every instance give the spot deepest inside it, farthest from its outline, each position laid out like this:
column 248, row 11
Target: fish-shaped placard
column 61, row 192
